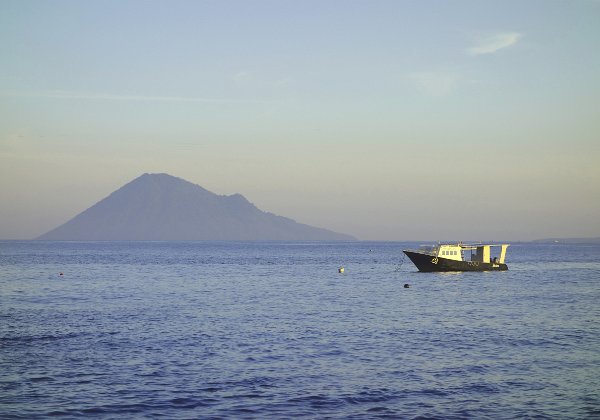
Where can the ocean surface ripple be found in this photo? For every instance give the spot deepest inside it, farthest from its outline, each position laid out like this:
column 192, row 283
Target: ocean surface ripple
column 272, row 330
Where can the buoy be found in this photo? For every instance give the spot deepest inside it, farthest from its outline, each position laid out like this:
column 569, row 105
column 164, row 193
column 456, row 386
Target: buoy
column 406, row 285
column 341, row 270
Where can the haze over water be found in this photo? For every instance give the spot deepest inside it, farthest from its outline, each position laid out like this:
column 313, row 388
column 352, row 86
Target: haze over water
column 256, row 330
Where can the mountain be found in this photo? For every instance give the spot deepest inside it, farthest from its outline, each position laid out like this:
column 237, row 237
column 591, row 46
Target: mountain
column 163, row 207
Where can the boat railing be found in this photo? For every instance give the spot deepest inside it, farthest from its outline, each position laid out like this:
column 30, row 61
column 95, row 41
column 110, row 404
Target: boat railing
column 428, row 250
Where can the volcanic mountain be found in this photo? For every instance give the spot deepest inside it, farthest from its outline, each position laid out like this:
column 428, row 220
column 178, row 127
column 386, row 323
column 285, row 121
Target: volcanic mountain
column 163, row 207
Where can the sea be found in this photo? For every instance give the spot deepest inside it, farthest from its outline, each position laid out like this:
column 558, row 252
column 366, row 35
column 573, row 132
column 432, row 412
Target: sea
column 236, row 330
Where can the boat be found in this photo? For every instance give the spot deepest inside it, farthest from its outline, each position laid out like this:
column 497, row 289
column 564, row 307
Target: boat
column 459, row 257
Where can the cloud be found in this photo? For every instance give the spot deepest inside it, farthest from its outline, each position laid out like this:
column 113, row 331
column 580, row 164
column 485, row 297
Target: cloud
column 242, row 77
column 117, row 97
column 284, row 82
column 494, row 43
column 435, row 83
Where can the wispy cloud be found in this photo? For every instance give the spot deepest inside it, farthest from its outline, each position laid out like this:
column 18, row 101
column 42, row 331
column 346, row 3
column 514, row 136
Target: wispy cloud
column 117, row 97
column 435, row 83
column 494, row 43
column 242, row 76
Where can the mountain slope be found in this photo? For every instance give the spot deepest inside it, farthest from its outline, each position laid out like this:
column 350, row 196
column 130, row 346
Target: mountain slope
column 163, row 207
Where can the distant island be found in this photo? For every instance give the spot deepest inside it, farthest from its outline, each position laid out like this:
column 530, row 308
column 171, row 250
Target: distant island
column 164, row 207
column 568, row 240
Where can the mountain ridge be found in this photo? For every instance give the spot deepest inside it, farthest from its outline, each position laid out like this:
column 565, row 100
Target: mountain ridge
column 164, row 207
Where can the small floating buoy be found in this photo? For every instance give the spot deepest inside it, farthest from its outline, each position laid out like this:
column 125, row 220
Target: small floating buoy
column 406, row 285
column 341, row 270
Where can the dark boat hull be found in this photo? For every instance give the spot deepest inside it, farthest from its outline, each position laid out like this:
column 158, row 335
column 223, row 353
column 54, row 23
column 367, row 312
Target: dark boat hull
column 429, row 263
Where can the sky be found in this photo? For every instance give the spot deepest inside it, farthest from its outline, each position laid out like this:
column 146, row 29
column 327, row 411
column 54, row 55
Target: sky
column 386, row 120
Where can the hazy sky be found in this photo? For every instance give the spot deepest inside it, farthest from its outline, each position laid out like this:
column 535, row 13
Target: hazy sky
column 391, row 120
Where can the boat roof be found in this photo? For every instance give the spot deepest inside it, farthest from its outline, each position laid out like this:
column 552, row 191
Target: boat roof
column 466, row 246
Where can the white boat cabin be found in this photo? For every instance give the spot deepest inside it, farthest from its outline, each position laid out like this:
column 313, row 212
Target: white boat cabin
column 479, row 253
column 450, row 252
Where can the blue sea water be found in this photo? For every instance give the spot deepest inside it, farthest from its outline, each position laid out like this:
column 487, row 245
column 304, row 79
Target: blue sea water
column 272, row 330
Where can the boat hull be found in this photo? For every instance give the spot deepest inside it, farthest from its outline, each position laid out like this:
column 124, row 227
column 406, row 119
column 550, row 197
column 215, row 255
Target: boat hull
column 429, row 263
